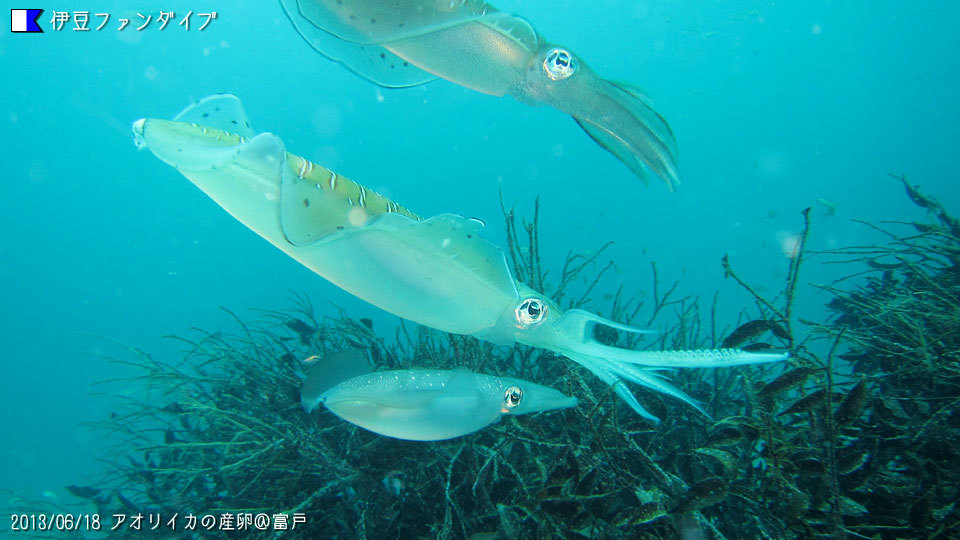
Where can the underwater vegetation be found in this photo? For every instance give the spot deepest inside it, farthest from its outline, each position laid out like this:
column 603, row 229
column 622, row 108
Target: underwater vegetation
column 899, row 426
column 855, row 436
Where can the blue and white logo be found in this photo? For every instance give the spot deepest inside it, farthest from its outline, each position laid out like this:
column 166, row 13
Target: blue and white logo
column 25, row 20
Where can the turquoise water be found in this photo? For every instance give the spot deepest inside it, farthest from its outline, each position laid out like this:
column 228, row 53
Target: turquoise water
column 774, row 107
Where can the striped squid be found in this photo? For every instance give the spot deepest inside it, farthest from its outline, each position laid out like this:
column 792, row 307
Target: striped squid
column 438, row 272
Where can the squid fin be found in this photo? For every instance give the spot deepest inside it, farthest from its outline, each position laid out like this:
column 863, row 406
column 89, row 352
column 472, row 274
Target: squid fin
column 222, row 111
column 368, row 60
column 333, row 369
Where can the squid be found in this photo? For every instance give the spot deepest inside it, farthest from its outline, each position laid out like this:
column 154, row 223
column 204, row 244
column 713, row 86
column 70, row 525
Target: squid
column 429, row 404
column 438, row 272
column 401, row 43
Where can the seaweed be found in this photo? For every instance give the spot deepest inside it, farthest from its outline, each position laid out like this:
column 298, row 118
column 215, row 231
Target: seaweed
column 901, row 323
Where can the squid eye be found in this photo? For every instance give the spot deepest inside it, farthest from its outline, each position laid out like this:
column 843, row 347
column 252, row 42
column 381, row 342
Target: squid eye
column 512, row 397
column 531, row 311
column 559, row 64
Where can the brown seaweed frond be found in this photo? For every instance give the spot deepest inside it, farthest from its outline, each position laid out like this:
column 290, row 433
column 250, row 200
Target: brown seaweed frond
column 782, row 313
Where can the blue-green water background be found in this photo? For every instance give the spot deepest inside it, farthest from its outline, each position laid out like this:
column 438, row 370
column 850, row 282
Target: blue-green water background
column 774, row 105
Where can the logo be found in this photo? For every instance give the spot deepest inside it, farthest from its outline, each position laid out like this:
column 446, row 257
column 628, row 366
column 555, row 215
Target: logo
column 25, row 20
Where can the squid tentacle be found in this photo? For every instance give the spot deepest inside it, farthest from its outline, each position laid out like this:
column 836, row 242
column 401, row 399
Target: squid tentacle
column 703, row 358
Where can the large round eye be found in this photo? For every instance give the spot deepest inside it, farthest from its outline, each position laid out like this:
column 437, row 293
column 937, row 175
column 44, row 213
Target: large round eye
column 512, row 397
column 531, row 312
column 559, row 64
